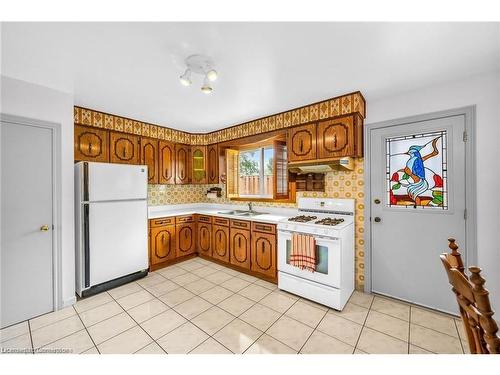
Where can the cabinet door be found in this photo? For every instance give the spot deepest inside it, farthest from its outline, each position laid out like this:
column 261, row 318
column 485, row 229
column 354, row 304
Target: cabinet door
column 182, row 164
column 91, row 144
column 204, row 237
column 125, row 148
column 240, row 247
column 213, row 164
column 264, row 254
column 162, row 244
column 336, row 138
column 199, row 164
column 149, row 156
column 185, row 239
column 302, row 143
column 166, row 162
column 220, row 243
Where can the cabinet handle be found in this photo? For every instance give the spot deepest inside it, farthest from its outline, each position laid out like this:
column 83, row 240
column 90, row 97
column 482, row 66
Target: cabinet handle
column 90, row 147
column 301, row 145
column 262, row 247
column 239, row 241
column 163, row 238
column 334, row 141
column 123, row 152
column 186, row 233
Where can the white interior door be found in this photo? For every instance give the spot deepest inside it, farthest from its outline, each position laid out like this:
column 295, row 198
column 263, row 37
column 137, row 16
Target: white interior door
column 417, row 178
column 26, row 201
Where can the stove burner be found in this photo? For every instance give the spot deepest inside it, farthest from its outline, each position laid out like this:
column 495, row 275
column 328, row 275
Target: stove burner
column 329, row 221
column 303, row 218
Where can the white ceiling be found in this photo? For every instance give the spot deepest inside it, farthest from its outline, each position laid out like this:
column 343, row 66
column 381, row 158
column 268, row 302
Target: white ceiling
column 132, row 69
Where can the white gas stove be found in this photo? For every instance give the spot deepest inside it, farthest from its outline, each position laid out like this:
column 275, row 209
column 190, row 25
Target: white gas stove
column 331, row 223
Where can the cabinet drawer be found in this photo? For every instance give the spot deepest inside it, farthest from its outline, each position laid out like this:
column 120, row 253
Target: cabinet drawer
column 240, row 224
column 184, row 219
column 205, row 219
column 263, row 227
column 161, row 221
column 221, row 221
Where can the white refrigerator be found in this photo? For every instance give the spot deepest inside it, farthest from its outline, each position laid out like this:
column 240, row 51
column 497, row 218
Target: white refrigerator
column 111, row 225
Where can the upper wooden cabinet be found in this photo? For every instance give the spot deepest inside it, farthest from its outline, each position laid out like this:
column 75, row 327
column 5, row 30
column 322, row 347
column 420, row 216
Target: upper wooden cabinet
column 125, row 148
column 338, row 138
column 91, row 144
column 166, row 162
column 149, row 157
column 302, row 143
column 199, row 164
column 182, row 164
column 213, row 164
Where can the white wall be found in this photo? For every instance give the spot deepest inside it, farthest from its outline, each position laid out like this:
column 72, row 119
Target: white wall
column 25, row 99
column 484, row 92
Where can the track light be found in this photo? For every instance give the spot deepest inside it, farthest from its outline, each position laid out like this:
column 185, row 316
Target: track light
column 202, row 65
column 212, row 75
column 206, row 88
column 185, row 79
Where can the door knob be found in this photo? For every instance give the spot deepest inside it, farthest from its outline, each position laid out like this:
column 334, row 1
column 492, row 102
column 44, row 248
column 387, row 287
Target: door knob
column 377, row 201
column 378, row 220
column 44, row 228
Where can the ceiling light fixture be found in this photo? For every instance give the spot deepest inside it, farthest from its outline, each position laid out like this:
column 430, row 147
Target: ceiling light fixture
column 202, row 65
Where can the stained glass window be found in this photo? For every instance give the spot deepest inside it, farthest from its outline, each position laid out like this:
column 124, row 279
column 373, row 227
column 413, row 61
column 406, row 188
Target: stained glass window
column 416, row 171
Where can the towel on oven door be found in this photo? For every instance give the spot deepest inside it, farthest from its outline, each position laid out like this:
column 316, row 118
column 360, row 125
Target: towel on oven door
column 303, row 252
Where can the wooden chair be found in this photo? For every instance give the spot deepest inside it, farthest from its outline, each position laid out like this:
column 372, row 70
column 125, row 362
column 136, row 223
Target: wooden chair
column 473, row 302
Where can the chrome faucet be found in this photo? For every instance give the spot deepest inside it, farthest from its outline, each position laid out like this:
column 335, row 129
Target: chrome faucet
column 250, row 206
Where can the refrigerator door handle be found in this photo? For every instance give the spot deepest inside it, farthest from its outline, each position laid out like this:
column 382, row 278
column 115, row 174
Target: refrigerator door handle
column 85, row 181
column 86, row 243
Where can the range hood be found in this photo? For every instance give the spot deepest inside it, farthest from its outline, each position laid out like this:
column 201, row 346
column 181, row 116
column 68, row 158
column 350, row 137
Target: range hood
column 319, row 166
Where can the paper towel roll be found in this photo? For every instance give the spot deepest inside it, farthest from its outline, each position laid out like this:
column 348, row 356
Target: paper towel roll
column 212, row 195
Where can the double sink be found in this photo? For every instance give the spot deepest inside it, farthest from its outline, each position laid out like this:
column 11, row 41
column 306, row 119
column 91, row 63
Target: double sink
column 242, row 213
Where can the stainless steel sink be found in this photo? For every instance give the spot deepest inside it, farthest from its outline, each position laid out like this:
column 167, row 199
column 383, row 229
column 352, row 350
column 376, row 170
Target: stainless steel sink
column 241, row 213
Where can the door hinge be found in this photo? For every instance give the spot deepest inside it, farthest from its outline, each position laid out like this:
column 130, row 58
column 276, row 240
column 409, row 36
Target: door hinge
column 465, row 214
column 465, row 136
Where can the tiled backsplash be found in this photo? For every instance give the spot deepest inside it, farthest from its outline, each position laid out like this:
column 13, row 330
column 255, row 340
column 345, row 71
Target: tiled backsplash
column 339, row 184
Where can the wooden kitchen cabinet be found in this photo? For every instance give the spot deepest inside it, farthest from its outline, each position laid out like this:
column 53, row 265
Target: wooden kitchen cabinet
column 182, row 164
column 91, row 144
column 149, row 157
column 199, row 164
column 336, row 138
column 220, row 243
column 263, row 254
column 240, row 247
column 124, row 148
column 302, row 143
column 161, row 244
column 166, row 162
column 213, row 164
column 204, row 239
column 185, row 236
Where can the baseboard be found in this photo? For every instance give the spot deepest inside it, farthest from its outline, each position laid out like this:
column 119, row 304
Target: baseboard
column 68, row 302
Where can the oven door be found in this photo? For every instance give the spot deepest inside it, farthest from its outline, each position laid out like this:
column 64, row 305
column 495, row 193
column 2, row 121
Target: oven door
column 328, row 260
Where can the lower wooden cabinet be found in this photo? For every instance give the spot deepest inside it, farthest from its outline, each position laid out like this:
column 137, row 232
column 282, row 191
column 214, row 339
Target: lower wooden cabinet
column 204, row 239
column 185, row 235
column 264, row 254
column 240, row 247
column 161, row 244
column 220, row 243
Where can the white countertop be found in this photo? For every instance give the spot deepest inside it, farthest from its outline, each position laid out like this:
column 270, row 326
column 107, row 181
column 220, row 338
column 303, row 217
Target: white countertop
column 271, row 214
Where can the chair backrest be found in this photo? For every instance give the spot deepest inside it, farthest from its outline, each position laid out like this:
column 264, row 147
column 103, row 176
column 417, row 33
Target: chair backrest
column 473, row 302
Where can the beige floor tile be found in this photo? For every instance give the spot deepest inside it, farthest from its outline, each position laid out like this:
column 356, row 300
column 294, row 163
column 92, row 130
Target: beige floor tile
column 216, row 294
column 162, row 288
column 135, row 299
column 216, row 266
column 75, row 343
column 434, row 341
column 152, row 348
column 14, row 331
column 237, row 336
column 388, row 324
column 361, row 299
column 147, row 310
column 126, row 342
column 465, row 347
column 250, row 279
column 212, row 320
column 185, row 278
column 163, row 323
column 260, row 316
column 92, row 350
column 235, row 284
column 182, row 339
column 125, row 290
column 236, row 304
column 20, row 344
column 314, row 304
column 374, row 342
column 352, row 312
column 199, row 286
column 268, row 345
column 56, row 331
column 100, row 313
column 460, row 328
column 151, row 279
column 192, row 307
column 397, row 309
column 230, row 271
column 266, row 284
column 340, row 328
column 358, row 351
column 278, row 301
column 218, row 277
column 190, row 266
column 106, row 329
column 210, row 346
column 254, row 292
column 171, row 272
column 88, row 303
column 290, row 332
column 204, row 271
column 436, row 321
column 320, row 343
column 176, row 297
column 416, row 350
column 306, row 314
column 52, row 317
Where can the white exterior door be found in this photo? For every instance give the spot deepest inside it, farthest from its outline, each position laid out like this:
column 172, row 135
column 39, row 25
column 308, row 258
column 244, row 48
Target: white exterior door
column 26, row 255
column 417, row 181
